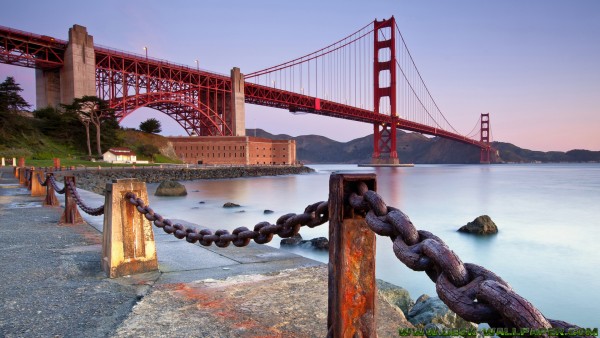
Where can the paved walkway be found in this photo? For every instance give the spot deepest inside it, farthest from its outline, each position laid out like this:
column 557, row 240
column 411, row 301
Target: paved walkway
column 53, row 285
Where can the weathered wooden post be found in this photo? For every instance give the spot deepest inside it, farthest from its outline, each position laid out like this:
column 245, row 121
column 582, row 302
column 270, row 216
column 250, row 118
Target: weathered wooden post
column 56, row 162
column 352, row 289
column 71, row 215
column 22, row 175
column 29, row 177
column 36, row 187
column 128, row 241
column 21, row 162
column 50, row 200
column 16, row 172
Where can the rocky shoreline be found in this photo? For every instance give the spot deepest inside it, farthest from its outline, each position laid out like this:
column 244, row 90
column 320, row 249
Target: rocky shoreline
column 95, row 179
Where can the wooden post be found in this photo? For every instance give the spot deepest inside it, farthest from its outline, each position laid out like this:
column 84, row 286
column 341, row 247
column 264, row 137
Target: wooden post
column 50, row 200
column 128, row 241
column 21, row 162
column 352, row 289
column 56, row 163
column 71, row 215
column 22, row 175
column 36, row 187
column 30, row 177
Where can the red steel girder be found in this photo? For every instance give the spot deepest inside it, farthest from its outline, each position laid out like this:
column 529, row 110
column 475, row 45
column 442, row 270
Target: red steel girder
column 30, row 50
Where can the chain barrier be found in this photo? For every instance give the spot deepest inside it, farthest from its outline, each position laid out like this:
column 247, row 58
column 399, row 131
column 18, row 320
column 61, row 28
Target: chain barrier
column 55, row 185
column 286, row 226
column 471, row 291
column 84, row 207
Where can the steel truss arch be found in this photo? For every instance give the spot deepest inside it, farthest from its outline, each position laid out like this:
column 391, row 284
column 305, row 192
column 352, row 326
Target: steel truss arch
column 191, row 114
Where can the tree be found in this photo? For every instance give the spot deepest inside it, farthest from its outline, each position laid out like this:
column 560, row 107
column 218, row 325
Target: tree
column 151, row 126
column 10, row 99
column 91, row 110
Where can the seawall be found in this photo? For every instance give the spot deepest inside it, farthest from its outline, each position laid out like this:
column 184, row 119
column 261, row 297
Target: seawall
column 95, row 179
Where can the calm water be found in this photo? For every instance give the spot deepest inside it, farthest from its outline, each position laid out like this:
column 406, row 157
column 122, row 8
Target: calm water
column 548, row 217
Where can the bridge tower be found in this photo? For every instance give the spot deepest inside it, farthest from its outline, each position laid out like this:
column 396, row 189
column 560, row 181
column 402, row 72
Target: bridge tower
column 384, row 144
column 76, row 78
column 485, row 138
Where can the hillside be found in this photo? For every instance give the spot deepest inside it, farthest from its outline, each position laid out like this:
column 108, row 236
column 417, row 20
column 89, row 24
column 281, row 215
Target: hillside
column 417, row 148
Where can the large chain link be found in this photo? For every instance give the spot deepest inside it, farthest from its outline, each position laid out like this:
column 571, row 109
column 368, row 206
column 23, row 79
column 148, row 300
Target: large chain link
column 55, row 185
column 84, row 207
column 471, row 291
column 286, row 226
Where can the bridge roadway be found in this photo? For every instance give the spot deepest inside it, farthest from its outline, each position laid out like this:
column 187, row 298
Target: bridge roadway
column 53, row 284
column 19, row 48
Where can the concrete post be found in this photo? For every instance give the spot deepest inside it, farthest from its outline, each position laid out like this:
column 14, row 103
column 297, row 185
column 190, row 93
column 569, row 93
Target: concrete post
column 71, row 215
column 36, row 187
column 128, row 241
column 238, row 112
column 78, row 74
column 352, row 288
column 14, row 162
column 75, row 79
column 47, row 88
column 3, row 162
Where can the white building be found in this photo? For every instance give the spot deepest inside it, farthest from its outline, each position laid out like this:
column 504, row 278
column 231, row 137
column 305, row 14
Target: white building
column 119, row 155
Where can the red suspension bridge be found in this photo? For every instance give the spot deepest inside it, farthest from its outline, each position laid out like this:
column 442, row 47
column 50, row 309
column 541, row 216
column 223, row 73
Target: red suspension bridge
column 368, row 76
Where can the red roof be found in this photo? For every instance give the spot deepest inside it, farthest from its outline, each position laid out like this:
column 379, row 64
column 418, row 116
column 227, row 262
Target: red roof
column 122, row 151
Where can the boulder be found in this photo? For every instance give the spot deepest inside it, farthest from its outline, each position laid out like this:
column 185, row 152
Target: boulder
column 319, row 243
column 230, row 205
column 395, row 295
column 431, row 310
column 291, row 241
column 482, row 225
column 170, row 188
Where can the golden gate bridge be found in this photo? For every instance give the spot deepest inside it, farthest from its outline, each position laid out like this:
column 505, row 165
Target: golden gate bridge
column 368, row 76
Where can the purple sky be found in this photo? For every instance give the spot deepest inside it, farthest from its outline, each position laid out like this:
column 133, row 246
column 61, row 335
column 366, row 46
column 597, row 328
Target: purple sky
column 533, row 65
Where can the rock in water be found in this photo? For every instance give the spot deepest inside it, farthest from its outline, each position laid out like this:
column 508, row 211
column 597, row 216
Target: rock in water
column 267, row 211
column 294, row 240
column 482, row 225
column 170, row 188
column 230, row 205
column 319, row 243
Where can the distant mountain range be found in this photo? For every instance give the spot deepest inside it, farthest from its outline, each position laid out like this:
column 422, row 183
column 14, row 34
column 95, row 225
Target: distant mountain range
column 416, row 148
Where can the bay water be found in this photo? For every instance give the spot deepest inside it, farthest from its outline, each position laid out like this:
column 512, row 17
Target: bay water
column 548, row 217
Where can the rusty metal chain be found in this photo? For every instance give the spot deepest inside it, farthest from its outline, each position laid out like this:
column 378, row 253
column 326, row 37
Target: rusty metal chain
column 84, row 207
column 471, row 291
column 55, row 185
column 286, row 226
